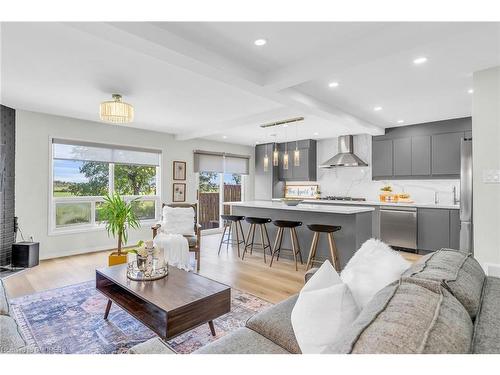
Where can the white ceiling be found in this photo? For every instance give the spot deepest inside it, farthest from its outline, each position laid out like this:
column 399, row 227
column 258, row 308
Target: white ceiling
column 208, row 80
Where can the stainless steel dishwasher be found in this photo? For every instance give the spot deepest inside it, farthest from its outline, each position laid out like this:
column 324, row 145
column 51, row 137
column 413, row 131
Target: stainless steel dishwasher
column 398, row 226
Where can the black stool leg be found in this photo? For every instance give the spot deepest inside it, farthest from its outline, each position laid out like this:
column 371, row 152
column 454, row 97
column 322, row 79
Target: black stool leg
column 263, row 243
column 229, row 236
column 237, row 237
column 279, row 235
column 298, row 244
column 222, row 238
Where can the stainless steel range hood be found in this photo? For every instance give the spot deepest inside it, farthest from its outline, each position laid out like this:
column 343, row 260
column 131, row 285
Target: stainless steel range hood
column 345, row 156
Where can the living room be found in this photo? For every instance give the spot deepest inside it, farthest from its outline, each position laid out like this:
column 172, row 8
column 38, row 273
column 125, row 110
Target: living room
column 232, row 185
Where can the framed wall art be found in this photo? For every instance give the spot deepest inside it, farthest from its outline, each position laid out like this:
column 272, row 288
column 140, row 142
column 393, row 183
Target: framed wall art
column 179, row 192
column 179, row 170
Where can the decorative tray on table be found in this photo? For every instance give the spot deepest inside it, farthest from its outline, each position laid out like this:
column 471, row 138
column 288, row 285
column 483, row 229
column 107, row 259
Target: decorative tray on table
column 155, row 273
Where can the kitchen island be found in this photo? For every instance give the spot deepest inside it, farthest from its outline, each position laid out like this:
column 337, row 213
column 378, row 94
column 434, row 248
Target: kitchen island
column 356, row 223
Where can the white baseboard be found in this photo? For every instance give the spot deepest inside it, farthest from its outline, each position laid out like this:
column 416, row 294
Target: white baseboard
column 492, row 269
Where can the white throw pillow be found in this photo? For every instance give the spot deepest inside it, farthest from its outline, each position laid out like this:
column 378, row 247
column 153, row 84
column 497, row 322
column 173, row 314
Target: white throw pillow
column 374, row 266
column 178, row 220
column 324, row 308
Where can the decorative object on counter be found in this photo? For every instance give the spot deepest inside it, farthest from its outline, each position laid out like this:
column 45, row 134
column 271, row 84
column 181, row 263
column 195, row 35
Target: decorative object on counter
column 291, row 201
column 179, row 170
column 119, row 216
column 403, row 198
column 149, row 264
column 302, row 191
column 386, row 194
column 179, row 192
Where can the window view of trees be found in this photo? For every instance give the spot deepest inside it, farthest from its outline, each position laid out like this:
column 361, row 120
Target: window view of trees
column 74, row 178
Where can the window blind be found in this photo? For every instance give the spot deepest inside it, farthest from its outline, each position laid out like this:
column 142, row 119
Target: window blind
column 87, row 151
column 207, row 161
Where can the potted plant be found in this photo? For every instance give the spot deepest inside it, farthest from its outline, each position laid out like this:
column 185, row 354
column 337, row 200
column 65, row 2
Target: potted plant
column 119, row 216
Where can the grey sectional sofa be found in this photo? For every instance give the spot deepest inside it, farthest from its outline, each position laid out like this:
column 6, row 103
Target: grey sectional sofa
column 443, row 304
column 11, row 340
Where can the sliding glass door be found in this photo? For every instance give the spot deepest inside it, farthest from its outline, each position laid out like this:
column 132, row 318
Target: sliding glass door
column 213, row 189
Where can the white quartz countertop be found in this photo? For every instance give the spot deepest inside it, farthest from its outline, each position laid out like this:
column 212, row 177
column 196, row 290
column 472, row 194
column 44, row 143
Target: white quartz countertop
column 305, row 207
column 378, row 203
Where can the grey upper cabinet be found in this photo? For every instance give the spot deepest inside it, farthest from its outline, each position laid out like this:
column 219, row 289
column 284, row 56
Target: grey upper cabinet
column 382, row 158
column 260, row 152
column 421, row 155
column 307, row 169
column 446, row 153
column 430, row 150
column 402, row 156
column 433, row 228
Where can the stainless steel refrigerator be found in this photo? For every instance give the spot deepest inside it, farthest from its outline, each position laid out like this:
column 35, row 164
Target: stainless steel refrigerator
column 466, row 240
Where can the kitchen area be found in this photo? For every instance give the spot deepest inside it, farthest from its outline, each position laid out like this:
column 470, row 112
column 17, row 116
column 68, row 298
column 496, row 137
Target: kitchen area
column 411, row 187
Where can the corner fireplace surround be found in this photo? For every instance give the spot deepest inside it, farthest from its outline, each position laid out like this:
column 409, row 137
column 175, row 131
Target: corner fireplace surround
column 7, row 155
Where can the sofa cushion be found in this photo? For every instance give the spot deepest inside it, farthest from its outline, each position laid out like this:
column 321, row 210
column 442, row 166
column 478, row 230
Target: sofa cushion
column 11, row 340
column 4, row 304
column 409, row 316
column 242, row 341
column 275, row 323
column 460, row 272
column 152, row 346
column 487, row 324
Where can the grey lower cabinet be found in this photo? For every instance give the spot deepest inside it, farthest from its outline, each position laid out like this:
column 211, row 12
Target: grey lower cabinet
column 382, row 158
column 437, row 228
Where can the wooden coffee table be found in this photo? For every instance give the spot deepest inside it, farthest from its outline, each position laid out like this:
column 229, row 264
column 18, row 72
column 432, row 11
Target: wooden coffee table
column 169, row 306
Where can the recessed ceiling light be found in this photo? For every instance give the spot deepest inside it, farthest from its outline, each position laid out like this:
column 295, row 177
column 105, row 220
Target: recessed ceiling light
column 316, row 133
column 401, row 121
column 333, row 84
column 470, row 91
column 378, row 108
column 260, row 42
column 224, row 136
column 420, row 60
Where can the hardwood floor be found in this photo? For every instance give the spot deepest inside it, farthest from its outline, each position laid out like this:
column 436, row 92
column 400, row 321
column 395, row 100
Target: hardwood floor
column 251, row 275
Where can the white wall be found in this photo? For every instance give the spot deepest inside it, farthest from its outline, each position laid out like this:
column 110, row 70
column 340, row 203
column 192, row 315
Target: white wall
column 486, row 156
column 32, row 174
column 357, row 181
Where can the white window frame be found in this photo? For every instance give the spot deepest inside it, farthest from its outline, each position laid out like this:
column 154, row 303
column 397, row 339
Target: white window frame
column 53, row 230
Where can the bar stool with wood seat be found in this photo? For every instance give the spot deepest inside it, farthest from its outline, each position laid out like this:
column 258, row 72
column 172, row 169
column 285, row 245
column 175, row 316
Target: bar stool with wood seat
column 282, row 225
column 254, row 222
column 229, row 221
column 328, row 229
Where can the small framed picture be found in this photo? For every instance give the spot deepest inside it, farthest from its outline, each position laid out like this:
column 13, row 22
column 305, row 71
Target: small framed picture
column 179, row 192
column 179, row 171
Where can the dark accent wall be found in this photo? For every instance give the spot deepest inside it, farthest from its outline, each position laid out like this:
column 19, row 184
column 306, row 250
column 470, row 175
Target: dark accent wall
column 7, row 170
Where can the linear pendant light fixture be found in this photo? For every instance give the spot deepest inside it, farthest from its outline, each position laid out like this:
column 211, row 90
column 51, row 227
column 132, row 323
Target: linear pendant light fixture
column 275, row 152
column 116, row 111
column 296, row 152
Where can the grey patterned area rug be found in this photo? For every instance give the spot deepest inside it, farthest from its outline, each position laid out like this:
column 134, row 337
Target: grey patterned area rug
column 70, row 320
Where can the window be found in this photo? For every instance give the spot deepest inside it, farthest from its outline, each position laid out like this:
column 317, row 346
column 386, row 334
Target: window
column 82, row 173
column 220, row 179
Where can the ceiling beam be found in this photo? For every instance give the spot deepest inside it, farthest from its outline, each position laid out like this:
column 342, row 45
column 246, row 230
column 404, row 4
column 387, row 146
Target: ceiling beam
column 161, row 44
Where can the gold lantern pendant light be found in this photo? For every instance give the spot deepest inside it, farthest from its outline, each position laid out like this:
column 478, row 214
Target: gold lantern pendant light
column 116, row 111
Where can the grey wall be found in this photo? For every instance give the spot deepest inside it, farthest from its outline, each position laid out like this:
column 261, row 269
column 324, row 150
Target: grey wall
column 7, row 170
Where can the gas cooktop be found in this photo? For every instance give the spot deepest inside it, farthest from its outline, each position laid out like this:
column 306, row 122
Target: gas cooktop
column 334, row 198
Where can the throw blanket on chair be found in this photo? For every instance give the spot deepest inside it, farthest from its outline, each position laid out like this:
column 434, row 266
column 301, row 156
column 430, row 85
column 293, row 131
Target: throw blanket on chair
column 175, row 248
